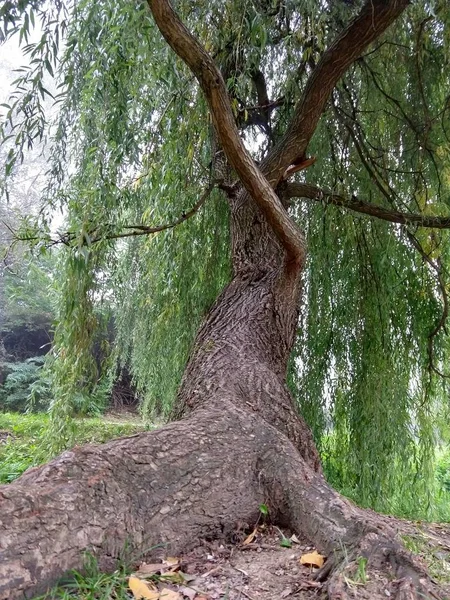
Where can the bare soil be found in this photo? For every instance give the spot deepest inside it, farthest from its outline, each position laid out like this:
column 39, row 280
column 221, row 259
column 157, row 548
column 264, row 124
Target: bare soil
column 263, row 570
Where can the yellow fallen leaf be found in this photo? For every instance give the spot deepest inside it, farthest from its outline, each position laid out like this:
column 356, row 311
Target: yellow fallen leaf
column 171, row 561
column 141, row 590
column 313, row 559
column 249, row 539
column 167, row 594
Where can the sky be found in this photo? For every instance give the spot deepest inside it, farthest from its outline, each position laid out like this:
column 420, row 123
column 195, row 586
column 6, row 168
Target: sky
column 28, row 181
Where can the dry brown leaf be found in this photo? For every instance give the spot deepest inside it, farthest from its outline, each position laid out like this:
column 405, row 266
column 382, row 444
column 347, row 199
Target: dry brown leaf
column 249, row 539
column 188, row 577
column 189, row 592
column 150, row 569
column 313, row 559
column 141, row 589
column 168, row 594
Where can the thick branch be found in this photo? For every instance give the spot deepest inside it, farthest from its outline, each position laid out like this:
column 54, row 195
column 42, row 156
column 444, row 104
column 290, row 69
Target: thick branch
column 214, row 88
column 374, row 18
column 305, row 190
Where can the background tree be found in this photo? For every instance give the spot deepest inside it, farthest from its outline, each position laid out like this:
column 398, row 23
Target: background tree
column 370, row 103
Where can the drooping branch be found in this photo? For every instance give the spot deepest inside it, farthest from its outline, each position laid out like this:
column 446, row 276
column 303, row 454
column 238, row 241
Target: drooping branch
column 213, row 86
column 137, row 230
column 306, row 190
column 441, row 324
column 374, row 18
column 312, row 192
column 96, row 235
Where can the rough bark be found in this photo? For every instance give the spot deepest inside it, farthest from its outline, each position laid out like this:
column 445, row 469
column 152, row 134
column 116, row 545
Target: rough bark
column 239, row 443
column 239, row 440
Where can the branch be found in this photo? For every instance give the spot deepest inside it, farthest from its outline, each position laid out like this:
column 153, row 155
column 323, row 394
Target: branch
column 374, row 18
column 144, row 230
column 305, row 190
column 213, row 86
column 137, row 230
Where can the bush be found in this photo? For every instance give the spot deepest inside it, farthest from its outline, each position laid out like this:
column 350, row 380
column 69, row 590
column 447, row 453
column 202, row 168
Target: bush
column 24, row 387
column 443, row 471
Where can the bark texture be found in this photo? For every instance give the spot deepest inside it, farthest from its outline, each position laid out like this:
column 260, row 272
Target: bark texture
column 239, row 440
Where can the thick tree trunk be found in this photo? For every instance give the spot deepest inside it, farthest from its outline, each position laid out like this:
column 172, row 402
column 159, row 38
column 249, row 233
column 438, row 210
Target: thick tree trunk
column 239, row 442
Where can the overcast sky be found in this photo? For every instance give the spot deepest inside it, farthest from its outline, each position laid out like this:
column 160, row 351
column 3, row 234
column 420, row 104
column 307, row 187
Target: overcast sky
column 28, row 180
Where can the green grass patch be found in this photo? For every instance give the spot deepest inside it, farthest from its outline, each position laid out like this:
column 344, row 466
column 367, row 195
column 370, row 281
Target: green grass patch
column 92, row 584
column 436, row 558
column 20, row 437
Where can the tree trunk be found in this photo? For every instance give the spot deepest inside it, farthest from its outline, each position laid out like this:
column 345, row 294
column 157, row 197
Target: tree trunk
column 239, row 443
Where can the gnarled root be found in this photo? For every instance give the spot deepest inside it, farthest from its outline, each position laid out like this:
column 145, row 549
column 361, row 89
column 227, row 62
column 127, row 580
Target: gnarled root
column 382, row 569
column 197, row 478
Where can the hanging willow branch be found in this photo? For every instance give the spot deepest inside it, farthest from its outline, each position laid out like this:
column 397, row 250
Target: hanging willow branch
column 94, row 236
column 442, row 321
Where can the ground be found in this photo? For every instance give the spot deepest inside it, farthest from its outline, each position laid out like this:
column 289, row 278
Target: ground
column 230, row 569
column 263, row 570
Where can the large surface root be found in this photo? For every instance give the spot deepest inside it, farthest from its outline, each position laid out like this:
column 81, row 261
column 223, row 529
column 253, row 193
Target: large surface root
column 202, row 477
column 378, row 568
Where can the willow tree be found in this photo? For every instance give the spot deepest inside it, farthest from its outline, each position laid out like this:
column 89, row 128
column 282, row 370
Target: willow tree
column 315, row 137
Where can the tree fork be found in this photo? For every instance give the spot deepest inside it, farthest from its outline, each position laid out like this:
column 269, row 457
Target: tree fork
column 239, row 441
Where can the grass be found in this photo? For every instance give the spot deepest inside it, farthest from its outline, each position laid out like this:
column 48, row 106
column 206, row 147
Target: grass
column 20, row 436
column 92, row 584
column 435, row 557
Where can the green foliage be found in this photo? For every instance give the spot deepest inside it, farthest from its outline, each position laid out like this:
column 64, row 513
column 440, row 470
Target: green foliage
column 403, row 498
column 21, row 439
column 92, row 584
column 443, row 471
column 24, row 386
column 27, row 291
column 136, row 129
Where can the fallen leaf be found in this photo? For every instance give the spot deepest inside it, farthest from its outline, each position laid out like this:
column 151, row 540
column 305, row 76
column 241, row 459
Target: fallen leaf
column 188, row 592
column 295, row 539
column 313, row 559
column 249, row 539
column 141, row 590
column 150, row 569
column 168, row 594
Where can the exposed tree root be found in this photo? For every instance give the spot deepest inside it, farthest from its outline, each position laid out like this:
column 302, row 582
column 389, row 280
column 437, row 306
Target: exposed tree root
column 198, row 478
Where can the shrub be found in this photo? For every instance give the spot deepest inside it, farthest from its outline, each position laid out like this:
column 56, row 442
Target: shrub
column 24, row 387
